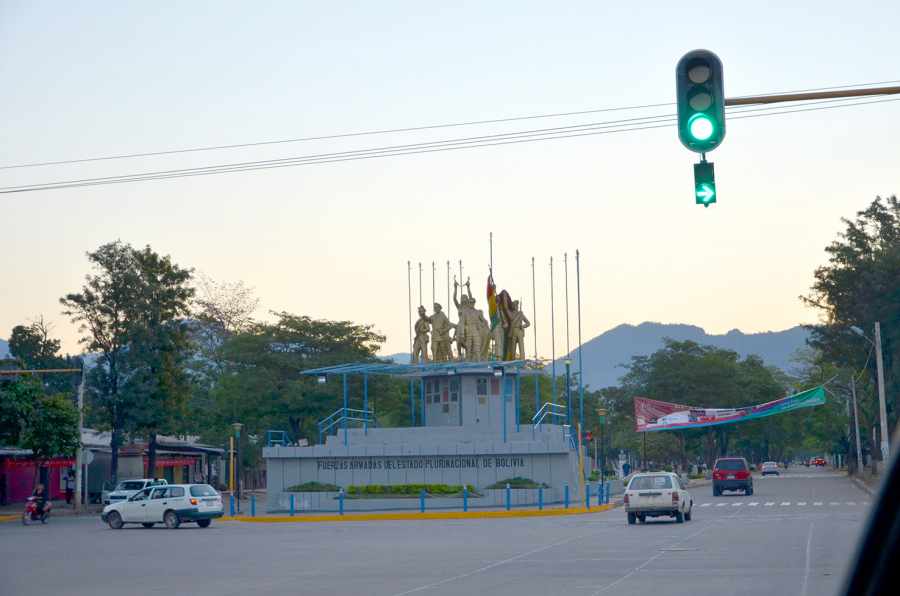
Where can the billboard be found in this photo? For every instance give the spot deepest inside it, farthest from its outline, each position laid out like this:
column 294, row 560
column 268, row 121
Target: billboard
column 652, row 415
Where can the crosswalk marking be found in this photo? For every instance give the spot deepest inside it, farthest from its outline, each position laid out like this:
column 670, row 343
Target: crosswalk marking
column 753, row 504
column 769, row 503
column 801, row 503
column 705, row 504
column 817, row 504
column 785, row 503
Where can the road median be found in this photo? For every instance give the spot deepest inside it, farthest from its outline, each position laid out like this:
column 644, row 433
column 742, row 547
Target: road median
column 414, row 515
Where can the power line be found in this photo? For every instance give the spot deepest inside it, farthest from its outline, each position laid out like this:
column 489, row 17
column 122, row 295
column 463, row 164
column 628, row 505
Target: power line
column 387, row 131
column 662, row 121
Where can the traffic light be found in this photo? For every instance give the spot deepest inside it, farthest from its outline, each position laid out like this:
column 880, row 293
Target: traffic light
column 704, row 183
column 700, row 92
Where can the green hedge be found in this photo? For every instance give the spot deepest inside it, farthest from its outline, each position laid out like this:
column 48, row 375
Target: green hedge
column 518, row 482
column 313, row 487
column 408, row 490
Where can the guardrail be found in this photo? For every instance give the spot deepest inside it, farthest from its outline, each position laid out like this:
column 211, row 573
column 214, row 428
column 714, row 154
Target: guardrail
column 342, row 416
column 549, row 409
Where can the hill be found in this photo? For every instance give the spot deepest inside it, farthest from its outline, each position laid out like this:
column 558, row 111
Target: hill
column 605, row 354
column 4, row 348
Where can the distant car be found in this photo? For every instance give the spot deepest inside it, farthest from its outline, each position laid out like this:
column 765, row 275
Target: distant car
column 657, row 494
column 128, row 488
column 819, row 461
column 769, row 467
column 171, row 504
column 732, row 473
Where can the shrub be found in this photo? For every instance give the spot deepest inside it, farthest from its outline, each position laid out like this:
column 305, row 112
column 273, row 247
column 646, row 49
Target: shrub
column 314, row 487
column 518, row 482
column 409, row 490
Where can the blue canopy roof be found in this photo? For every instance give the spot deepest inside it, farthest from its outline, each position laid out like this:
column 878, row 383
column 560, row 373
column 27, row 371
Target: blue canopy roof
column 522, row 367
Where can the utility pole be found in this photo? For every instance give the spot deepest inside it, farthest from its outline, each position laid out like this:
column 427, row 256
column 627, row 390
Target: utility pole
column 859, row 460
column 79, row 453
column 882, row 408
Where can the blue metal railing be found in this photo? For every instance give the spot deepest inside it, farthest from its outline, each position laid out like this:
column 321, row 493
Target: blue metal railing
column 570, row 437
column 549, row 409
column 342, row 416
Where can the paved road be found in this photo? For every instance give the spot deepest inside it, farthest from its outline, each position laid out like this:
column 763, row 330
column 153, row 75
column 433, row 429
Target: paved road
column 794, row 536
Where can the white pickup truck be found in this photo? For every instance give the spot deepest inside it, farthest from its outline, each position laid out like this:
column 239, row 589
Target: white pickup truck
column 128, row 488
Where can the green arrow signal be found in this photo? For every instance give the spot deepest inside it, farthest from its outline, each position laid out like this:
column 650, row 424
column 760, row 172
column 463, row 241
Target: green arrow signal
column 705, row 193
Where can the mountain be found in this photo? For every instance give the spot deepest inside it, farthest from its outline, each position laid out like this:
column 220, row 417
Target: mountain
column 4, row 348
column 604, row 354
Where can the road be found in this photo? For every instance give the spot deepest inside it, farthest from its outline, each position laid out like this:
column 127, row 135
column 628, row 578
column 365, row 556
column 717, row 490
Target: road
column 793, row 536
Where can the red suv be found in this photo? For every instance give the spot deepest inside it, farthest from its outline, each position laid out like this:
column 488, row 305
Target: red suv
column 732, row 473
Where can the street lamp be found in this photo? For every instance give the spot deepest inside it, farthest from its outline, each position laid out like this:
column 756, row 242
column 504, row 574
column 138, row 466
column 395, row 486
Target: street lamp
column 601, row 456
column 236, row 460
column 882, row 408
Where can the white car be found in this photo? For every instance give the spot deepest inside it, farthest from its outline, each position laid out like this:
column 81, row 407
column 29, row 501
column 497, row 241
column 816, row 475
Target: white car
column 169, row 504
column 657, row 494
column 769, row 467
column 128, row 488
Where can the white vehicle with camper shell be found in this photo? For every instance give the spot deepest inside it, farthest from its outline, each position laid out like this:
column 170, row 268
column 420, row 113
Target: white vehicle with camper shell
column 171, row 504
column 128, row 488
column 657, row 494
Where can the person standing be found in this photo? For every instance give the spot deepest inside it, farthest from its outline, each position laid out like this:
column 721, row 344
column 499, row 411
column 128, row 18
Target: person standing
column 70, row 486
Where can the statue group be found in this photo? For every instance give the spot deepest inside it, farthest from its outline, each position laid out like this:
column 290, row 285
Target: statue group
column 476, row 339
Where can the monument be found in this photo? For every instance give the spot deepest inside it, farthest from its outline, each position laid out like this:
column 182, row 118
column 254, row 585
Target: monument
column 466, row 423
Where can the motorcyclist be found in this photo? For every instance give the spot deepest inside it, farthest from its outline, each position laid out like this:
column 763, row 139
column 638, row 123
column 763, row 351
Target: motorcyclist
column 39, row 499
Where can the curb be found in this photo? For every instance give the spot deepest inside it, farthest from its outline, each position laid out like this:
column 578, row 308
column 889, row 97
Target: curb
column 864, row 487
column 413, row 516
column 9, row 518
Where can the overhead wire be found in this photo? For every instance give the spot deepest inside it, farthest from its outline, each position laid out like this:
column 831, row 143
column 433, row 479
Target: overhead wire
column 588, row 129
column 389, row 130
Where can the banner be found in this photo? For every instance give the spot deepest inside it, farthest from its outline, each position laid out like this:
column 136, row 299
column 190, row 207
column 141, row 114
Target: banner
column 652, row 415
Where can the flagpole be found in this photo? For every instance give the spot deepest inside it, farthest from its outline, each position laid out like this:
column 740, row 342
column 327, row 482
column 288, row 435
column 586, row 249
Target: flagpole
column 447, row 304
column 433, row 295
column 580, row 367
column 552, row 336
column 420, row 283
column 566, row 271
column 491, row 250
column 534, row 309
column 409, row 292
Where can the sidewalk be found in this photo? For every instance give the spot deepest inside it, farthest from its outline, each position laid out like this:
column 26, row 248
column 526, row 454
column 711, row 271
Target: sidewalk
column 15, row 510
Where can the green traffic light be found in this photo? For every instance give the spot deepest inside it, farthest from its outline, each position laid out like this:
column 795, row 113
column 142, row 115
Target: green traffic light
column 701, row 127
column 706, row 194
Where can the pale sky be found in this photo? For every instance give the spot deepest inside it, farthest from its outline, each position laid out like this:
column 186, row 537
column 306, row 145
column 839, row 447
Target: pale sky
column 332, row 241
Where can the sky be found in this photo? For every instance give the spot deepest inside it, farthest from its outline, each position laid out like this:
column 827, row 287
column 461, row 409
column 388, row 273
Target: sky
column 333, row 240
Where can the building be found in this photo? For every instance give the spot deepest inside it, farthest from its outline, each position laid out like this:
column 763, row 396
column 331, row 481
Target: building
column 467, row 431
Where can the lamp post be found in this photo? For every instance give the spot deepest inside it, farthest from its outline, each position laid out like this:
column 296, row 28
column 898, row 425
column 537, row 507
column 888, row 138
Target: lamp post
column 601, row 413
column 882, row 408
column 569, row 392
column 236, row 466
column 859, row 461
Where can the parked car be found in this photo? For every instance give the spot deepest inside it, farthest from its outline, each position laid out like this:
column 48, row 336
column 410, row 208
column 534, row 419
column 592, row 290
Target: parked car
column 128, row 488
column 170, row 504
column 657, row 494
column 769, row 467
column 732, row 473
column 819, row 461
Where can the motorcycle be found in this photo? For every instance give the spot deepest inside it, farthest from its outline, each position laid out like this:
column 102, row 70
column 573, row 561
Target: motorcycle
column 33, row 514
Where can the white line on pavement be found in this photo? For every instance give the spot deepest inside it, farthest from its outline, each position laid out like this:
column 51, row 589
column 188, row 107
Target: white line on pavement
column 851, row 502
column 833, row 503
column 721, row 504
column 705, row 504
column 738, row 504
column 864, row 503
column 801, row 503
column 785, row 503
column 753, row 504
column 769, row 503
column 817, row 504
column 805, row 583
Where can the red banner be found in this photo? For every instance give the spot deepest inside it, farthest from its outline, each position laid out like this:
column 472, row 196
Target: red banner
column 56, row 462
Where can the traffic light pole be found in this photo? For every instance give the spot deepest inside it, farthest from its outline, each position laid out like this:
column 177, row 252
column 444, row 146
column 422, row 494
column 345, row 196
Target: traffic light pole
column 786, row 97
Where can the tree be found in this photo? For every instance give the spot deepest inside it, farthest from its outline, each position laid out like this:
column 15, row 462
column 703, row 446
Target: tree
column 17, row 403
column 52, row 428
column 227, row 307
column 861, row 285
column 128, row 311
column 32, row 345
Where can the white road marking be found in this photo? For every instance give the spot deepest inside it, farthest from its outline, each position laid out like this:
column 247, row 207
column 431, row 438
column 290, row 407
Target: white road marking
column 769, row 503
column 805, row 583
column 833, row 503
column 785, row 503
column 851, row 502
column 817, row 504
column 801, row 503
column 864, row 503
column 753, row 504
column 705, row 504
column 738, row 504
column 721, row 504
